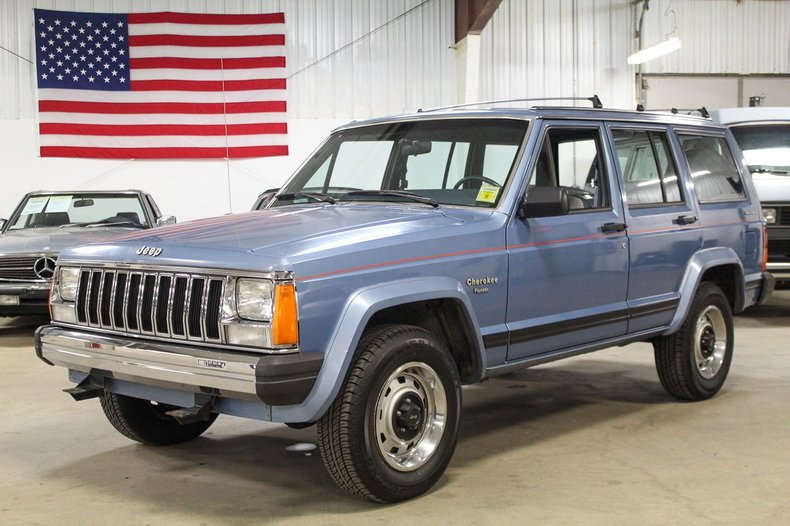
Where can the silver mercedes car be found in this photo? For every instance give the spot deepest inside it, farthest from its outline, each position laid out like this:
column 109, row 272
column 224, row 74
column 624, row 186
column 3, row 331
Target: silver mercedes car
column 44, row 223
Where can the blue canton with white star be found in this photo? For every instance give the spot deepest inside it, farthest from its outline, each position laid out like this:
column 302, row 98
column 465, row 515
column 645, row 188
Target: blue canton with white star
column 82, row 50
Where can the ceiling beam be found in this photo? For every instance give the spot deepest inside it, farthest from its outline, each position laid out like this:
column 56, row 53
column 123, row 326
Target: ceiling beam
column 471, row 16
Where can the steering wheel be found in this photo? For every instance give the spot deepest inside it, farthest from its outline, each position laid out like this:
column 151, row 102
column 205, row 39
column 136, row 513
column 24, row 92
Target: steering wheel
column 460, row 181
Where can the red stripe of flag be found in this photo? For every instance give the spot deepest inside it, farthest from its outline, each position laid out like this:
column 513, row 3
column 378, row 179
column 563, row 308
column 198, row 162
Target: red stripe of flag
column 207, row 41
column 140, row 130
column 130, row 108
column 207, row 85
column 200, row 18
column 207, row 63
column 163, row 153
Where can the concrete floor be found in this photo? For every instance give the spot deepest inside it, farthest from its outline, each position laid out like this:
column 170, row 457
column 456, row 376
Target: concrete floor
column 591, row 440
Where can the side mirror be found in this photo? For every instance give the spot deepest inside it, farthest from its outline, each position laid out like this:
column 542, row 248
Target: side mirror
column 544, row 201
column 265, row 198
column 166, row 220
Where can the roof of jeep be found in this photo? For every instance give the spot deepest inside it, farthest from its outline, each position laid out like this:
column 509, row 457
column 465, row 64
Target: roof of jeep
column 542, row 112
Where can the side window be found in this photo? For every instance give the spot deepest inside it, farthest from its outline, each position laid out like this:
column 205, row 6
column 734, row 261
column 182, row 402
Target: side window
column 648, row 173
column 570, row 158
column 712, row 168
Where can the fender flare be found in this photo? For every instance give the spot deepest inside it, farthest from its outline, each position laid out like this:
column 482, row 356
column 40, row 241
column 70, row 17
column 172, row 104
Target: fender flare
column 357, row 312
column 698, row 265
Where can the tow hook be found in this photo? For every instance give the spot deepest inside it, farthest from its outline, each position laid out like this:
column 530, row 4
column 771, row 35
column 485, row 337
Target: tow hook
column 197, row 413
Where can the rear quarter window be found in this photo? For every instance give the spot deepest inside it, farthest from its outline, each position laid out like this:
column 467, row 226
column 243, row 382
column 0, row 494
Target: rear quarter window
column 712, row 168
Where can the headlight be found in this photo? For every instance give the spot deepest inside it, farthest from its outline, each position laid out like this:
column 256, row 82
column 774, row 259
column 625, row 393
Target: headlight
column 770, row 215
column 69, row 280
column 254, row 299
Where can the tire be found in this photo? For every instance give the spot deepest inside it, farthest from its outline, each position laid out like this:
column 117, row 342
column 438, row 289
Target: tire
column 146, row 422
column 391, row 432
column 693, row 363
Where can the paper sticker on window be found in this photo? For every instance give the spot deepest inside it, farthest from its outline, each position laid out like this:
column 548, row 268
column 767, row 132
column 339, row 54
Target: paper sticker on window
column 35, row 205
column 487, row 193
column 59, row 203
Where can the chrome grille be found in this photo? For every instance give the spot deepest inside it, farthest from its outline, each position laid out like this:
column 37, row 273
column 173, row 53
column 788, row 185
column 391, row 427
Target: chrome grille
column 18, row 268
column 782, row 215
column 176, row 305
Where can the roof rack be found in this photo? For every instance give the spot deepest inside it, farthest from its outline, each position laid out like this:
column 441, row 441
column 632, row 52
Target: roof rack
column 703, row 111
column 596, row 102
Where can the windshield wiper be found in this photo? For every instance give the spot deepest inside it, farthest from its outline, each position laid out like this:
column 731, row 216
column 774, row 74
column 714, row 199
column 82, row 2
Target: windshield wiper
column 396, row 193
column 113, row 223
column 324, row 198
column 764, row 170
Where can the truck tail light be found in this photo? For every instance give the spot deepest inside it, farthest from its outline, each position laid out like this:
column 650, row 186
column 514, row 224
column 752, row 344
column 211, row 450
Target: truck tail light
column 285, row 325
column 765, row 248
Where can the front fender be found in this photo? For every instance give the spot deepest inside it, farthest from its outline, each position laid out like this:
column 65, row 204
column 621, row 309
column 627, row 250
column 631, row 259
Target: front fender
column 357, row 311
column 701, row 262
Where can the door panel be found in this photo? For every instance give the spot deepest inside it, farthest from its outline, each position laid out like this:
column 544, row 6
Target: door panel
column 568, row 277
column 663, row 223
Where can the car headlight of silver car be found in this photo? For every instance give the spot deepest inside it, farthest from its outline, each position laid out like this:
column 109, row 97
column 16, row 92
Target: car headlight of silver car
column 255, row 299
column 69, row 279
column 770, row 215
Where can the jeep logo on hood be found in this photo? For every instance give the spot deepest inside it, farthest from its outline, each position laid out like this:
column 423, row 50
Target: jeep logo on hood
column 149, row 251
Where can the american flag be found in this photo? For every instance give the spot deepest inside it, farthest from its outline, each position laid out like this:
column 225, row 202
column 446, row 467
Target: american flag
column 160, row 85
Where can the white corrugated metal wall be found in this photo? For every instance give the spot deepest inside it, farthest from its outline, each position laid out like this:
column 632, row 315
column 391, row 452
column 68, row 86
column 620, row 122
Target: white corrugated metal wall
column 550, row 48
column 720, row 36
column 731, row 51
column 345, row 58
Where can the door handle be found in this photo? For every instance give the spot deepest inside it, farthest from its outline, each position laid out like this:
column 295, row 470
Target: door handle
column 610, row 228
column 686, row 220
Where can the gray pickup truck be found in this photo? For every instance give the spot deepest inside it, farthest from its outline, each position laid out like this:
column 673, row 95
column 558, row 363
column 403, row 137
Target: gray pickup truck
column 44, row 223
column 409, row 256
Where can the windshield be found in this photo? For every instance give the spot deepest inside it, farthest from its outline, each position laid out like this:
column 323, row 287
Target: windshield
column 80, row 210
column 454, row 162
column 766, row 148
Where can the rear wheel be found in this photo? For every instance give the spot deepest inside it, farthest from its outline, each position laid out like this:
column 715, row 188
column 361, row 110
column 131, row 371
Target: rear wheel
column 146, row 421
column 693, row 363
column 392, row 430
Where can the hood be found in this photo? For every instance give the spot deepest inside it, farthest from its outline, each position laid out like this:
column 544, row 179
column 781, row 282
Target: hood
column 53, row 240
column 772, row 188
column 285, row 235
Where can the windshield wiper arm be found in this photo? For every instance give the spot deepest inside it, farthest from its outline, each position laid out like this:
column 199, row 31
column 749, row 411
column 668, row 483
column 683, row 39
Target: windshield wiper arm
column 324, row 198
column 397, row 193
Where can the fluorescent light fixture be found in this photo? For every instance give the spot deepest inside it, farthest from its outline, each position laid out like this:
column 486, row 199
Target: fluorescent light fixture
column 662, row 48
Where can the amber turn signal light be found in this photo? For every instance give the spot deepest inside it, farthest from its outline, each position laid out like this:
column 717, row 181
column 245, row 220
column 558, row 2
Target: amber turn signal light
column 285, row 326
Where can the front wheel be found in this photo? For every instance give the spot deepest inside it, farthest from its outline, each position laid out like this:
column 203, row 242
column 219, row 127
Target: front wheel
column 693, row 363
column 392, row 430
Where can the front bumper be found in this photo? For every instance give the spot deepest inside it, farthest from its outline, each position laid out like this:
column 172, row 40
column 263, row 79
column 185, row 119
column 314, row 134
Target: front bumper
column 32, row 298
column 272, row 379
column 780, row 271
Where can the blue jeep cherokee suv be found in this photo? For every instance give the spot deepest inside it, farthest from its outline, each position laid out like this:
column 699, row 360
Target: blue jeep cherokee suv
column 409, row 256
